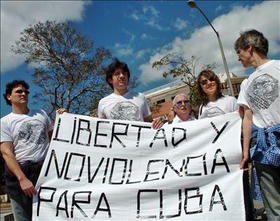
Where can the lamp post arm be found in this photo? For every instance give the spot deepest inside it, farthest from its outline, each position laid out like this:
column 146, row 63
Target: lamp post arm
column 207, row 20
column 222, row 51
column 225, row 65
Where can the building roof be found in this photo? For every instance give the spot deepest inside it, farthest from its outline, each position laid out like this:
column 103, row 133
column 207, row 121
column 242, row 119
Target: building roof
column 164, row 88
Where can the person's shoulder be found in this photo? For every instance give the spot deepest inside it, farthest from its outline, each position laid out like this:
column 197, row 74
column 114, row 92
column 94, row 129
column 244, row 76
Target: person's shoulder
column 36, row 111
column 43, row 111
column 243, row 83
column 133, row 94
column 106, row 98
column 230, row 98
column 6, row 117
column 275, row 62
column 141, row 95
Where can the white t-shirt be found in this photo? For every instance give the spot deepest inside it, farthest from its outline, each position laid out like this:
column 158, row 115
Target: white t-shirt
column 130, row 106
column 260, row 92
column 178, row 120
column 28, row 133
column 218, row 107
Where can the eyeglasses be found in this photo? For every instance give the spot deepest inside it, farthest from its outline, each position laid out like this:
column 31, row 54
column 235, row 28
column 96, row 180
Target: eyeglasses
column 180, row 103
column 21, row 91
column 204, row 82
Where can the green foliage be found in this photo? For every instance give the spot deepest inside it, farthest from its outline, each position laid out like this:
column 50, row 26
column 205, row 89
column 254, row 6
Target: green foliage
column 68, row 69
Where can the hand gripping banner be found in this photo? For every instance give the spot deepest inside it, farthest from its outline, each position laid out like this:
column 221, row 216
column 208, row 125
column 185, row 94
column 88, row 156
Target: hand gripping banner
column 98, row 169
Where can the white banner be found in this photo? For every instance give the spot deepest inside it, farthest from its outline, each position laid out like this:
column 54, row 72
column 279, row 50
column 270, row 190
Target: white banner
column 119, row 170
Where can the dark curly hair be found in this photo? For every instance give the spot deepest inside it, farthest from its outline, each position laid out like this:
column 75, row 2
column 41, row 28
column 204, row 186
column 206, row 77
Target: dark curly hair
column 110, row 70
column 208, row 74
column 11, row 85
column 252, row 38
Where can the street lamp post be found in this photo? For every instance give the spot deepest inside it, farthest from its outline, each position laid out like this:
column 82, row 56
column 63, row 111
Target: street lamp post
column 192, row 4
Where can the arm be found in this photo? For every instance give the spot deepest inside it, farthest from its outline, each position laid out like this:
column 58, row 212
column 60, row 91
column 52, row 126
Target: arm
column 59, row 111
column 50, row 134
column 9, row 157
column 241, row 111
column 247, row 131
column 157, row 122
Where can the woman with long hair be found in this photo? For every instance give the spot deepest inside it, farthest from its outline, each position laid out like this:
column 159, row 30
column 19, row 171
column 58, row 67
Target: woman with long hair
column 214, row 103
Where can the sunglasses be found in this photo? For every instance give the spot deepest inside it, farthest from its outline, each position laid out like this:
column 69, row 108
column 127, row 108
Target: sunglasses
column 204, row 82
column 21, row 91
column 180, row 103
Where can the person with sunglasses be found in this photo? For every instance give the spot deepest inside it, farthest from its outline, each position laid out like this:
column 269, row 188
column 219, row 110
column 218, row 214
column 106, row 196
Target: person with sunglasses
column 181, row 108
column 24, row 142
column 214, row 103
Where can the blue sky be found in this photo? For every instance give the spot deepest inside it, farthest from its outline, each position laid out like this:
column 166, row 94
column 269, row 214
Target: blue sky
column 141, row 32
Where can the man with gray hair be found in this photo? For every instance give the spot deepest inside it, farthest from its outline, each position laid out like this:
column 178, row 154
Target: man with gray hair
column 181, row 108
column 259, row 102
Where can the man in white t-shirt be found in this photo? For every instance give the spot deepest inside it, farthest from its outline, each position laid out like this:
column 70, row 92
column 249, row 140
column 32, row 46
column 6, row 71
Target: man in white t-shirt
column 123, row 104
column 259, row 100
column 24, row 142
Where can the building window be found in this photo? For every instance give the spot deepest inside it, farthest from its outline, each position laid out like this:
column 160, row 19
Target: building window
column 161, row 101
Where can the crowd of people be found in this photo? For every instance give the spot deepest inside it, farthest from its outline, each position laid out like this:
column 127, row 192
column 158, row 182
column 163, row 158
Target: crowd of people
column 25, row 133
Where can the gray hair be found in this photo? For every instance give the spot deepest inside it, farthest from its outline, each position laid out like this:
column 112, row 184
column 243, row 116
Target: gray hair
column 177, row 95
column 252, row 38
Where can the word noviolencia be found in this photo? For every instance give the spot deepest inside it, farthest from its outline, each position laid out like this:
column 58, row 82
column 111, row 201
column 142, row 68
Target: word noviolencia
column 102, row 170
column 93, row 133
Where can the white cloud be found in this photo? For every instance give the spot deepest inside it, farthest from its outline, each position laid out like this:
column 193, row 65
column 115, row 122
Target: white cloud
column 135, row 16
column 149, row 16
column 180, row 24
column 153, row 23
column 131, row 35
column 140, row 54
column 144, row 36
column 203, row 42
column 150, row 74
column 219, row 8
column 18, row 15
column 123, row 50
column 150, row 9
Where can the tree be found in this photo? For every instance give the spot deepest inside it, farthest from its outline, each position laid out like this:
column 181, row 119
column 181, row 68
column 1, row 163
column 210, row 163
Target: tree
column 67, row 68
column 184, row 68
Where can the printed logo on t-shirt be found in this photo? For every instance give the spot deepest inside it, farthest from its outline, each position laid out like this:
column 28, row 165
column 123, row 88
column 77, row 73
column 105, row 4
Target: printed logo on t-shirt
column 32, row 133
column 125, row 110
column 263, row 91
column 212, row 112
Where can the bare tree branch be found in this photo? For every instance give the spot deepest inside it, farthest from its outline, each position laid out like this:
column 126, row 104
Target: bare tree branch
column 69, row 70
